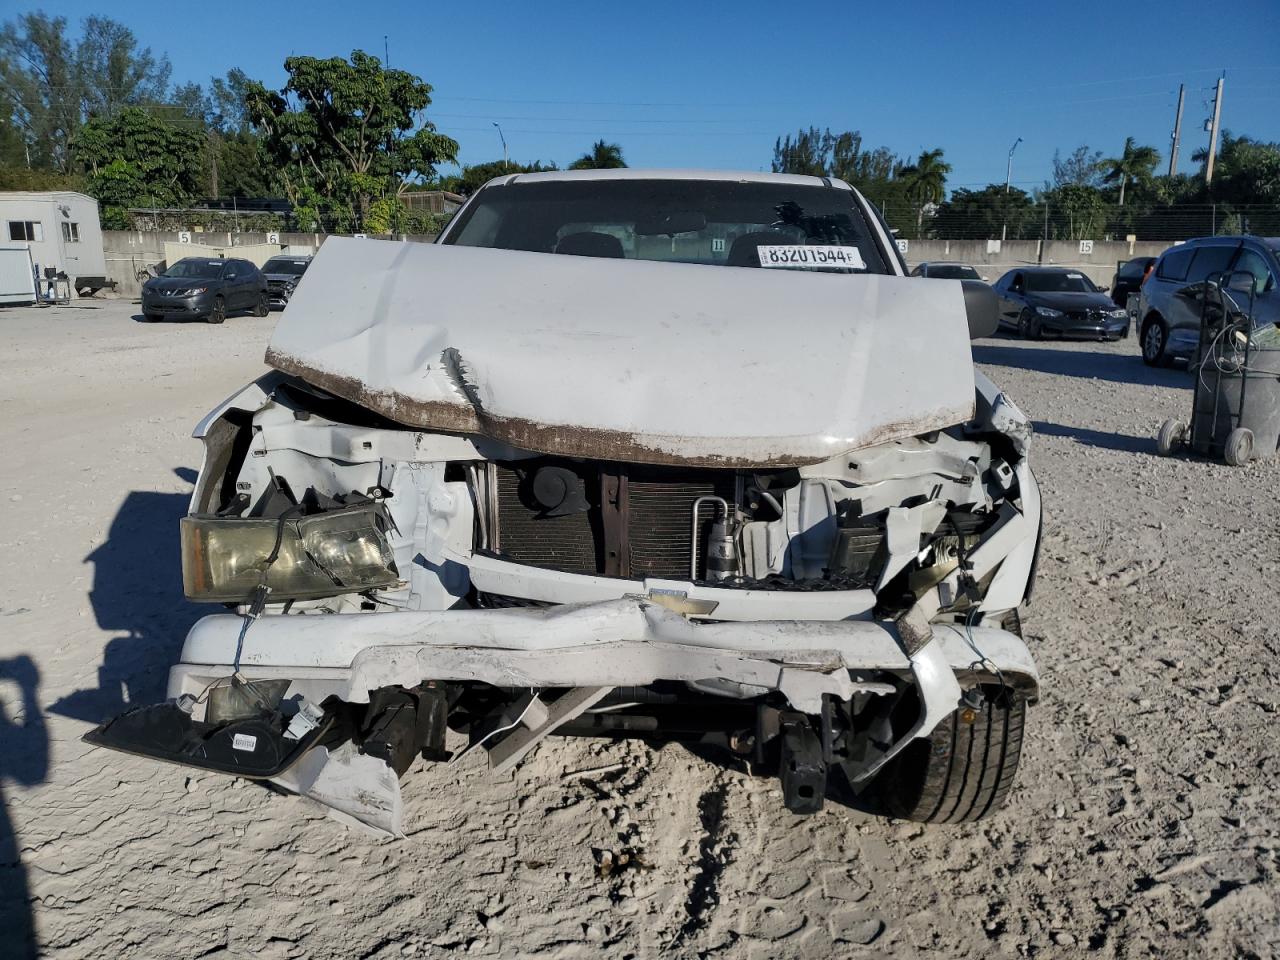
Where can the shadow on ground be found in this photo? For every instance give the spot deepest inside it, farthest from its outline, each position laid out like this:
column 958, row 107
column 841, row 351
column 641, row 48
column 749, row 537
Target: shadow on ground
column 1124, row 442
column 1086, row 364
column 137, row 590
column 24, row 760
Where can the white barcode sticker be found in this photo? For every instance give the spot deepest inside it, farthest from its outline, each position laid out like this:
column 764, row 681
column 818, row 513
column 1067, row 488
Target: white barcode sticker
column 242, row 741
column 811, row 256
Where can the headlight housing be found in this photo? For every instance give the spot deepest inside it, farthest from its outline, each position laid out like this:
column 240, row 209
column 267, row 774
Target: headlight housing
column 1048, row 312
column 323, row 555
column 1118, row 314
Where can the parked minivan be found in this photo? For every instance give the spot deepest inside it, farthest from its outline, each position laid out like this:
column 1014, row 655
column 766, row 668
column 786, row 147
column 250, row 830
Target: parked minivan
column 1173, row 293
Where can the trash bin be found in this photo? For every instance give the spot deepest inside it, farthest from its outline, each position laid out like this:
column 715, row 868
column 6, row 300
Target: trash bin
column 1235, row 408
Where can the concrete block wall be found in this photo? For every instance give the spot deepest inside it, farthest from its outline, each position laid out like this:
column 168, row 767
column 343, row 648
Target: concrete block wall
column 128, row 252
column 1099, row 265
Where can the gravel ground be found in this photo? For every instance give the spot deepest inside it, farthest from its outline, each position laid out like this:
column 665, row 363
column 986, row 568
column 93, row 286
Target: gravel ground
column 1145, row 821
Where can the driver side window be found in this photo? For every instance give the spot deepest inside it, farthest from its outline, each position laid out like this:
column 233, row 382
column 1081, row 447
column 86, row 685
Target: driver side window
column 1250, row 262
column 1016, row 283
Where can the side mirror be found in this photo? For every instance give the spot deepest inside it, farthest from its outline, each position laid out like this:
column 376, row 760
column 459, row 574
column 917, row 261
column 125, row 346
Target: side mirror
column 1241, row 281
column 982, row 308
column 1103, row 289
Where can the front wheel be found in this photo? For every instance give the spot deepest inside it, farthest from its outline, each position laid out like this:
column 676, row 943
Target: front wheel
column 964, row 769
column 263, row 307
column 1028, row 325
column 1155, row 339
column 218, row 313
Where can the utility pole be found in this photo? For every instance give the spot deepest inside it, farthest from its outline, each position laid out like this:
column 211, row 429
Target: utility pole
column 386, row 52
column 1214, row 124
column 1177, row 133
column 1008, row 178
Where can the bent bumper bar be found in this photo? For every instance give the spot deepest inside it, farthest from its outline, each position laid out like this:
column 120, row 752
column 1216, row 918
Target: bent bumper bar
column 623, row 642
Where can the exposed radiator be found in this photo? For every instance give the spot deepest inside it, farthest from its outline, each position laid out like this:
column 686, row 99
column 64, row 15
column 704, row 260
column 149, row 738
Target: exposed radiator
column 656, row 511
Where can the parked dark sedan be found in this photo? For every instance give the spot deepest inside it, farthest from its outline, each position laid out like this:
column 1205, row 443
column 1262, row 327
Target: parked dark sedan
column 946, row 270
column 283, row 274
column 205, row 288
column 1040, row 301
column 1129, row 277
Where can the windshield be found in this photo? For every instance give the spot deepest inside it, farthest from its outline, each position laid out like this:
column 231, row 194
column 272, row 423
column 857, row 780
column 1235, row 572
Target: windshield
column 1059, row 283
column 952, row 271
column 196, row 269
column 685, row 221
column 294, row 268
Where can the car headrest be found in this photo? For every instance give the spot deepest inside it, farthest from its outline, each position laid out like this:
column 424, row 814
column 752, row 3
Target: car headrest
column 590, row 244
column 743, row 252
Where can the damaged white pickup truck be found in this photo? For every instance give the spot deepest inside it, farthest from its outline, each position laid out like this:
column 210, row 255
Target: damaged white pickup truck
column 677, row 456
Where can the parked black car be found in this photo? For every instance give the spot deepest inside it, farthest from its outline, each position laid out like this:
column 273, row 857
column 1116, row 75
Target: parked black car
column 283, row 274
column 205, row 288
column 1040, row 301
column 946, row 270
column 1129, row 277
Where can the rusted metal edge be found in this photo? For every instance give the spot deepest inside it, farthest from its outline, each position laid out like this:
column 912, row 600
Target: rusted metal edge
column 568, row 440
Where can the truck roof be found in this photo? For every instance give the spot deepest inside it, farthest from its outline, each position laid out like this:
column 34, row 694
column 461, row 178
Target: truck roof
column 633, row 173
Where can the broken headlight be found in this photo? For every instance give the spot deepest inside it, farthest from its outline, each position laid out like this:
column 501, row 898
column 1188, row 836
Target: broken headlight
column 224, row 559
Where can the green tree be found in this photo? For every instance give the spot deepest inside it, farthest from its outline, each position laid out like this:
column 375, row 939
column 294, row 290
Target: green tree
column 1081, row 168
column 983, row 214
column 135, row 158
column 1135, row 163
column 1077, row 212
column 348, row 131
column 475, row 176
column 602, row 156
column 1246, row 170
column 55, row 82
column 925, row 182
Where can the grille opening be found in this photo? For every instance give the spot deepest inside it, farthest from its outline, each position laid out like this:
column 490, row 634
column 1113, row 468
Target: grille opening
column 652, row 516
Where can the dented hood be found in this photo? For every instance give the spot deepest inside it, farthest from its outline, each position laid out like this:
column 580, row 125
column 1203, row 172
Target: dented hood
column 625, row 359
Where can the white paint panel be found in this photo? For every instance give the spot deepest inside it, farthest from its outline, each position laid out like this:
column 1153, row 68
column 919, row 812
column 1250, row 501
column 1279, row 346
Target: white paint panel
column 651, row 362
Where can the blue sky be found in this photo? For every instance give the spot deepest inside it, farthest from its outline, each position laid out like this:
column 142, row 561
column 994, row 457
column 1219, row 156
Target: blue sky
column 711, row 85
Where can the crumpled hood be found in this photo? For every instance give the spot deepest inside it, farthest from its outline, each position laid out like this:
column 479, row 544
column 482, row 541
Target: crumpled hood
column 629, row 360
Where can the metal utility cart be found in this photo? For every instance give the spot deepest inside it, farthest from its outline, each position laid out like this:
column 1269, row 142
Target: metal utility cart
column 1235, row 406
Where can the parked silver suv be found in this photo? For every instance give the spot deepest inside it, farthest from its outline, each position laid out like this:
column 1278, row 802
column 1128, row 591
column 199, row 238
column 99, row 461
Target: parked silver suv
column 1173, row 293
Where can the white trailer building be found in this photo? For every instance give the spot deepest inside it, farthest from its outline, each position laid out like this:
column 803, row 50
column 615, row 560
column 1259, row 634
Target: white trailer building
column 62, row 231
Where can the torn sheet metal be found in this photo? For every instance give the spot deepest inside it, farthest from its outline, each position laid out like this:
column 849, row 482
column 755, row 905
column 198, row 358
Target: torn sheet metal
column 629, row 360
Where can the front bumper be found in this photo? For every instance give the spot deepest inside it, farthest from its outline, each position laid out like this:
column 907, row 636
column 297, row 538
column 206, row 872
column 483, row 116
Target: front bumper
column 197, row 306
column 625, row 642
column 1111, row 329
column 1183, row 343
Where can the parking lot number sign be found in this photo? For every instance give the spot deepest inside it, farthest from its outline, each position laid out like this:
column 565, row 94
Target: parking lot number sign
column 1086, row 246
column 184, row 236
column 273, row 238
column 903, row 246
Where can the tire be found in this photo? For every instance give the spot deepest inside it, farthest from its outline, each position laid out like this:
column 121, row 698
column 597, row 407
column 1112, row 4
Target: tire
column 219, row 312
column 1028, row 325
column 1238, row 449
column 1155, row 344
column 962, row 771
column 262, row 307
column 1170, row 438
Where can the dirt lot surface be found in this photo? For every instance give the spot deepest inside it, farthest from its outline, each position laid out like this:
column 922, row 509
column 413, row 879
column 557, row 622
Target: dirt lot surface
column 1146, row 820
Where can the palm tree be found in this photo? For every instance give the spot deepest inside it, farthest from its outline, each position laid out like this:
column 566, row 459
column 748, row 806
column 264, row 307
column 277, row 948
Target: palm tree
column 603, row 156
column 926, row 181
column 1136, row 163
